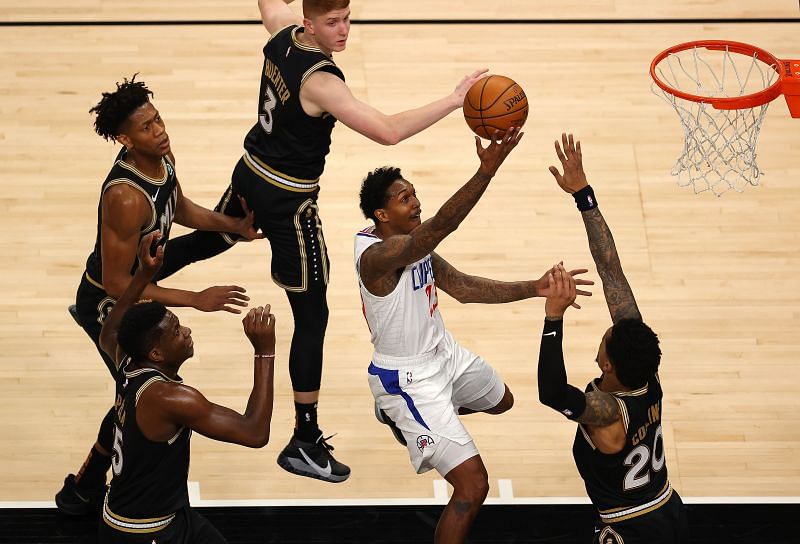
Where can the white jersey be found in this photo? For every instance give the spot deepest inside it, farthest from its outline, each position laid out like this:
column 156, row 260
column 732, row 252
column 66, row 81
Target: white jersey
column 406, row 322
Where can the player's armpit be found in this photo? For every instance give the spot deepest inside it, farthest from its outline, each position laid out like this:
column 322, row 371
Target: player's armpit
column 601, row 409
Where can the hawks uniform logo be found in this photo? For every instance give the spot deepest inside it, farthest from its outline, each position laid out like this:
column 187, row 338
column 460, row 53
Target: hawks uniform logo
column 609, row 536
column 423, row 441
column 104, row 308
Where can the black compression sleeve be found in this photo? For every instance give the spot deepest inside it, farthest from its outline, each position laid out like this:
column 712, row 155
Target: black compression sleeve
column 554, row 391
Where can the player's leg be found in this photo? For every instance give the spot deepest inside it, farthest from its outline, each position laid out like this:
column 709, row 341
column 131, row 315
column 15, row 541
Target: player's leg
column 470, row 486
column 201, row 245
column 83, row 491
column 200, row 530
column 290, row 220
column 477, row 387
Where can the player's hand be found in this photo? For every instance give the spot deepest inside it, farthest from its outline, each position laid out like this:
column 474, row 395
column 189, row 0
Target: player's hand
column 545, row 289
column 245, row 226
column 464, row 85
column 259, row 326
column 151, row 254
column 221, row 297
column 562, row 295
column 574, row 178
column 499, row 147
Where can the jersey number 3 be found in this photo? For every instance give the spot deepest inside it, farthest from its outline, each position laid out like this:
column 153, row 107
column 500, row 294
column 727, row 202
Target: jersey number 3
column 265, row 119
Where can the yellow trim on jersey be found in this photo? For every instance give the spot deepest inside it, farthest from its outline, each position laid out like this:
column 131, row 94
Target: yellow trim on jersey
column 130, row 525
column 136, row 171
column 623, row 410
column 616, row 515
column 301, row 244
column 125, row 181
column 281, row 29
column 94, row 282
column 300, row 45
column 314, row 68
column 145, row 385
column 286, row 177
column 634, row 393
column 278, row 179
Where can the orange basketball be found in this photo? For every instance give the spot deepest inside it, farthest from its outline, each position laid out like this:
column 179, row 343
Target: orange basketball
column 495, row 103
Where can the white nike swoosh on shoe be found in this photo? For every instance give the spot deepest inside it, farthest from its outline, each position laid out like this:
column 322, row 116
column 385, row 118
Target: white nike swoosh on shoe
column 322, row 471
column 551, row 333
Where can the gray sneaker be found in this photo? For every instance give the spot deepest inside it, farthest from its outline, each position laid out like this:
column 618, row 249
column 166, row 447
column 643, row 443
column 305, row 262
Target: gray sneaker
column 313, row 460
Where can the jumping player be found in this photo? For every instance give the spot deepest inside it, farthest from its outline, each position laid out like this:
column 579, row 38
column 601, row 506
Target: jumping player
column 141, row 194
column 619, row 445
column 421, row 378
column 155, row 414
column 303, row 93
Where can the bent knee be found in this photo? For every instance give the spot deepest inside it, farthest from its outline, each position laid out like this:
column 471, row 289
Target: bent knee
column 505, row 404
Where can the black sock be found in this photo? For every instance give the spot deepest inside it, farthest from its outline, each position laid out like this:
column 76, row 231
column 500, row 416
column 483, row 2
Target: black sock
column 306, row 417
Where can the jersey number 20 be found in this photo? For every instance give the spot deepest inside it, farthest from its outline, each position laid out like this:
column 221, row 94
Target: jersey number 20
column 269, row 105
column 637, row 459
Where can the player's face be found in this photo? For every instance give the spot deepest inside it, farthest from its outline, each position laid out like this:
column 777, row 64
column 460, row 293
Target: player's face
column 330, row 30
column 146, row 132
column 176, row 344
column 403, row 207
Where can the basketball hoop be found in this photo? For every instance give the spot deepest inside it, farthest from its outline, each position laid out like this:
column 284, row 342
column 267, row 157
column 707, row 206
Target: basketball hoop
column 737, row 81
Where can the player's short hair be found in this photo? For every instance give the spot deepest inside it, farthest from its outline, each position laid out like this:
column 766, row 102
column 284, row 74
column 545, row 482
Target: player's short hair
column 114, row 108
column 374, row 187
column 633, row 350
column 139, row 330
column 312, row 8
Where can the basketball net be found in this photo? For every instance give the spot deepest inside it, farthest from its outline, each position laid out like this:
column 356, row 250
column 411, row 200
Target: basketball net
column 719, row 151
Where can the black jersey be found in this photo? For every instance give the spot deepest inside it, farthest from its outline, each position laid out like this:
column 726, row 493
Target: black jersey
column 285, row 139
column 633, row 481
column 161, row 193
column 149, row 483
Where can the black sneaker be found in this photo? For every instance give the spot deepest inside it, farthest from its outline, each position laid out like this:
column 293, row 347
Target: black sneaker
column 313, row 460
column 73, row 311
column 74, row 502
column 381, row 416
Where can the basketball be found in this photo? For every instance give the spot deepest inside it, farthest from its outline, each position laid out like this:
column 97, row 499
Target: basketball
column 495, row 103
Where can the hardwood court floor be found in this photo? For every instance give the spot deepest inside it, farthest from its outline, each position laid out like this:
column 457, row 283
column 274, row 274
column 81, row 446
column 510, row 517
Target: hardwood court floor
column 716, row 277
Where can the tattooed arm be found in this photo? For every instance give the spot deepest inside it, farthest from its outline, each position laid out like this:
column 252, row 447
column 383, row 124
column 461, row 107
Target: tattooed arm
column 619, row 296
column 380, row 261
column 466, row 288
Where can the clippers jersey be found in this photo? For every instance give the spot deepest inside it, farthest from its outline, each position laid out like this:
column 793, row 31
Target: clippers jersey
column 285, row 139
column 634, row 481
column 162, row 194
column 406, row 322
column 149, row 483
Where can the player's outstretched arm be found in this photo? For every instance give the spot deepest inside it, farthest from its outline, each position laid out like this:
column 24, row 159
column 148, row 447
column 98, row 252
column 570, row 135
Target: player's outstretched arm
column 325, row 92
column 467, row 289
column 398, row 251
column 148, row 267
column 595, row 408
column 194, row 216
column 275, row 14
column 618, row 292
column 179, row 405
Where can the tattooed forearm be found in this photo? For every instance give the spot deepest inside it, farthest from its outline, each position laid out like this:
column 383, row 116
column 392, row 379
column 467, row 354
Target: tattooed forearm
column 470, row 289
column 619, row 295
column 601, row 409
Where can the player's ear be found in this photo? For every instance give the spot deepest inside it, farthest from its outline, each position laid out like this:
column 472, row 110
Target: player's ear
column 155, row 355
column 124, row 140
column 308, row 26
column 381, row 215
